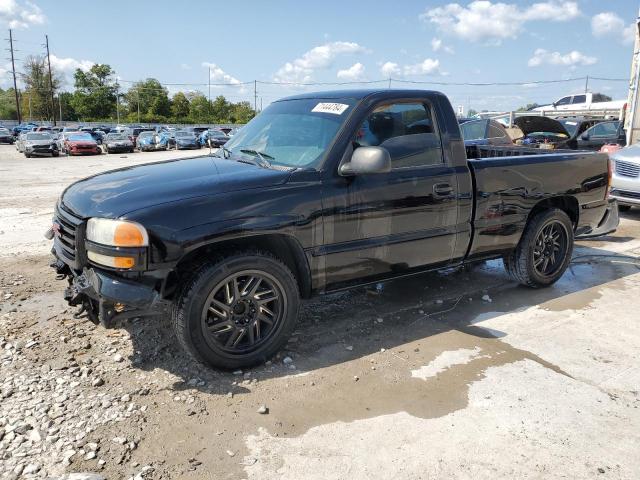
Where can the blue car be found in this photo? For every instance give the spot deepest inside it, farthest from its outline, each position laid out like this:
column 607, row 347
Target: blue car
column 186, row 140
column 23, row 127
column 150, row 141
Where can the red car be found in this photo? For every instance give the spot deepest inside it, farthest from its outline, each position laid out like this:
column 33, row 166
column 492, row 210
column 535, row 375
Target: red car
column 81, row 144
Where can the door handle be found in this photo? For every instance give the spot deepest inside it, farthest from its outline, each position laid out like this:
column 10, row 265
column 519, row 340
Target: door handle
column 442, row 189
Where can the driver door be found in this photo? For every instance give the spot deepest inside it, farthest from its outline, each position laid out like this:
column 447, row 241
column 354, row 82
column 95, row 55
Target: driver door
column 389, row 224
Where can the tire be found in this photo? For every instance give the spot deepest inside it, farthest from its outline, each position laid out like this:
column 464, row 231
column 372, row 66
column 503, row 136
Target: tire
column 193, row 320
column 535, row 262
column 27, row 155
column 55, row 154
column 624, row 208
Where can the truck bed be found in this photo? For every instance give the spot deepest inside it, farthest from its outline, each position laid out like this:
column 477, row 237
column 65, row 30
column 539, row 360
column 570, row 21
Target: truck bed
column 510, row 181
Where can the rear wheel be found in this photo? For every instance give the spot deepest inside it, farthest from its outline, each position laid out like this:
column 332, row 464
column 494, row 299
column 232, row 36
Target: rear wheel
column 544, row 251
column 238, row 311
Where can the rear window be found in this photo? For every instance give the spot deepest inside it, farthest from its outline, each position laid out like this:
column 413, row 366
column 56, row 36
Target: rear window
column 474, row 130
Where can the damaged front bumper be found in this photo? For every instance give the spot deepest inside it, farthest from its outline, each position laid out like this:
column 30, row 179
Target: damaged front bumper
column 106, row 299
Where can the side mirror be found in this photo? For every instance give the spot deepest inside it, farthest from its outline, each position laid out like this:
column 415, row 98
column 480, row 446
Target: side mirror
column 367, row 160
column 585, row 136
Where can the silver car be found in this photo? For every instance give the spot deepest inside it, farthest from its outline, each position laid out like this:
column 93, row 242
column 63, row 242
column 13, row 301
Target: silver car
column 625, row 182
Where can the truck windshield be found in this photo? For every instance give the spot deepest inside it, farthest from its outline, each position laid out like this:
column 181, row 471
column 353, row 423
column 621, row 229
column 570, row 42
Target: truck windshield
column 293, row 133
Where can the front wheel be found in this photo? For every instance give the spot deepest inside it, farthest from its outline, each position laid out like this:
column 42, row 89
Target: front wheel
column 624, row 208
column 237, row 311
column 544, row 251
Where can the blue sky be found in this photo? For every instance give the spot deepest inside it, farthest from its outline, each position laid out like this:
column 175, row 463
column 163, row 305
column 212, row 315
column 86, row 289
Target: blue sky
column 331, row 41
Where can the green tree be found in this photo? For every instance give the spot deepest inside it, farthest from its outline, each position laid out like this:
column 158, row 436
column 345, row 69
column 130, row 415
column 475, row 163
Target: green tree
column 179, row 106
column 95, row 93
column 241, row 112
column 199, row 108
column 66, row 107
column 150, row 98
column 8, row 105
column 471, row 112
column 37, row 91
column 527, row 107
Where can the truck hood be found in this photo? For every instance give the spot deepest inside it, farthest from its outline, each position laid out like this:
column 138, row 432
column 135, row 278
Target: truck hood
column 115, row 193
column 532, row 124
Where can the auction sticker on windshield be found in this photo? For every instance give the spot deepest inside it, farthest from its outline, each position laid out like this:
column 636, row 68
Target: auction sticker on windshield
column 335, row 108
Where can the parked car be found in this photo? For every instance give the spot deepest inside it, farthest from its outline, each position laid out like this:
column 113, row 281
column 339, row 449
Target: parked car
column 584, row 101
column 625, row 182
column 23, row 127
column 186, row 140
column 42, row 129
column 484, row 132
column 603, row 133
column 212, row 138
column 135, row 131
column 149, row 140
column 39, row 143
column 554, row 133
column 295, row 206
column 20, row 142
column 62, row 137
column 81, row 143
column 118, row 142
column 6, row 136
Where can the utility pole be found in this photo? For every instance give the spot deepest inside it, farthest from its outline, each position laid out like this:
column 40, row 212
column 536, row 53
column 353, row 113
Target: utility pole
column 586, row 85
column 389, row 82
column 209, row 106
column 255, row 96
column 60, row 105
column 15, row 83
column 138, row 92
column 53, row 105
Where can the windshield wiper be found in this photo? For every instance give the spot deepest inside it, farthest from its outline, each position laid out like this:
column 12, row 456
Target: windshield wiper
column 226, row 153
column 261, row 155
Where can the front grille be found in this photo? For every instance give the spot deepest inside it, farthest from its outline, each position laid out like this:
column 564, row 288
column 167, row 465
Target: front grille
column 625, row 193
column 627, row 169
column 68, row 236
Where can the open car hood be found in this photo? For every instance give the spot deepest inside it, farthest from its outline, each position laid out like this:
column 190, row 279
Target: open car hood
column 533, row 124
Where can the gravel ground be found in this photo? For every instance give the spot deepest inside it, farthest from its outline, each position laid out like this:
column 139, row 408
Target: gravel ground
column 456, row 374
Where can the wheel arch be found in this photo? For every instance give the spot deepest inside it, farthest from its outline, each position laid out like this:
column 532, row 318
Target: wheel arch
column 566, row 203
column 284, row 247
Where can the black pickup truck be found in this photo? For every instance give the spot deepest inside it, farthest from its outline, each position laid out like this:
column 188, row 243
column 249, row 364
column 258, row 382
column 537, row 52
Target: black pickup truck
column 318, row 193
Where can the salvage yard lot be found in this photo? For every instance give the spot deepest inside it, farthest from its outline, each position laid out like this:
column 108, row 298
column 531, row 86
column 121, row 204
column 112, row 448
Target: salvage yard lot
column 455, row 374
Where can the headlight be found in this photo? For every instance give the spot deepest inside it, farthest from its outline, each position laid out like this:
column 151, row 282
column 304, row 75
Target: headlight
column 116, row 233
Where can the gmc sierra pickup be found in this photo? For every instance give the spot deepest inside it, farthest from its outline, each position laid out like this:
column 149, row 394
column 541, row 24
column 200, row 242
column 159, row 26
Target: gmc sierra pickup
column 320, row 192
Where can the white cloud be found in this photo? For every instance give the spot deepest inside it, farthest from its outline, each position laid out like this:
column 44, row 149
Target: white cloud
column 428, row 66
column 571, row 59
column 437, row 45
column 483, row 20
column 220, row 76
column 390, row 69
column 20, row 14
column 321, row 57
column 608, row 24
column 69, row 65
column 354, row 73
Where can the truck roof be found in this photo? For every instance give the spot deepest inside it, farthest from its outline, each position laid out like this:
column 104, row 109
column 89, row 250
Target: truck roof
column 359, row 94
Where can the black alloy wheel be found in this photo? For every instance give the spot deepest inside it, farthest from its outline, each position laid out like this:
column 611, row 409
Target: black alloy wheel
column 243, row 311
column 550, row 248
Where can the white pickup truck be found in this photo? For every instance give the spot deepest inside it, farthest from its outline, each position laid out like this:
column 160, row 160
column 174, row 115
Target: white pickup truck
column 583, row 101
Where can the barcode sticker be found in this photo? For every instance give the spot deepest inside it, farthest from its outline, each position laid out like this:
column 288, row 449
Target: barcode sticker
column 335, row 108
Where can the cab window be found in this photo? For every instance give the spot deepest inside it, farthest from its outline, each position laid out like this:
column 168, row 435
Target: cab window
column 406, row 130
column 579, row 99
column 564, row 101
